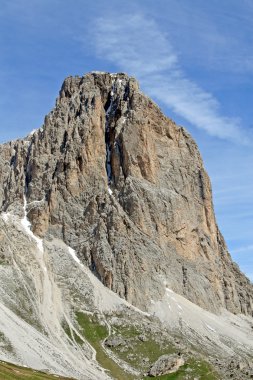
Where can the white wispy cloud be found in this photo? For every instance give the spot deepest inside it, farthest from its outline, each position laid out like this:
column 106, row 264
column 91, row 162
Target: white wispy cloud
column 136, row 44
column 247, row 248
column 218, row 34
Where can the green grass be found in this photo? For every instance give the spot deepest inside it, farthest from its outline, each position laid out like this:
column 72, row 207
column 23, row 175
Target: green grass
column 95, row 333
column 72, row 334
column 10, row 371
column 139, row 350
column 192, row 369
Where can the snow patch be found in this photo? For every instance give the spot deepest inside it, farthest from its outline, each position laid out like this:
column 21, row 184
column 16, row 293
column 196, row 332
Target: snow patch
column 72, row 252
column 32, row 132
column 98, row 72
column 109, row 191
column 210, row 328
column 36, row 202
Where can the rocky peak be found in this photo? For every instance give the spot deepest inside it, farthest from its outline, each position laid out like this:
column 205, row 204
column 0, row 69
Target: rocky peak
column 126, row 188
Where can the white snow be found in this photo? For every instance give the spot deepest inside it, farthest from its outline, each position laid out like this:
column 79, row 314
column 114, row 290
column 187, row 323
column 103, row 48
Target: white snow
column 32, row 132
column 73, row 254
column 98, row 72
column 210, row 328
column 109, row 191
column 36, row 202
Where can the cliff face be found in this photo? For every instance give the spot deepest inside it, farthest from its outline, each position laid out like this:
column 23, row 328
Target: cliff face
column 125, row 187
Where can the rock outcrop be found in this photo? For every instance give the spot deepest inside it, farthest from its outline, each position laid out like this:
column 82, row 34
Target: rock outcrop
column 125, row 187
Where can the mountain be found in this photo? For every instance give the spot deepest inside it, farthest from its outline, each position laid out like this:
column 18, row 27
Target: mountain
column 106, row 211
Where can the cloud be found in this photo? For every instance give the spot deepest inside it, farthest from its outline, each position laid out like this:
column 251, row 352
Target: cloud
column 243, row 249
column 135, row 44
column 218, row 34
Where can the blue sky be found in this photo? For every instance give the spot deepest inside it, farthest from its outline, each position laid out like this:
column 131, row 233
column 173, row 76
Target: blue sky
column 194, row 58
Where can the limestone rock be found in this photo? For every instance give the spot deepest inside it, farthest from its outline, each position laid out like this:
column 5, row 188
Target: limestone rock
column 114, row 341
column 166, row 364
column 143, row 338
column 125, row 187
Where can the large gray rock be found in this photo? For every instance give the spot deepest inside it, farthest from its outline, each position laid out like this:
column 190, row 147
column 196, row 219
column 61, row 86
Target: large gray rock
column 114, row 341
column 154, row 225
column 166, row 364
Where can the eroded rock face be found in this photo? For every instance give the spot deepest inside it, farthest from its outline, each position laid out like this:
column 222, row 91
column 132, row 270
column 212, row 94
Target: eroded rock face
column 126, row 188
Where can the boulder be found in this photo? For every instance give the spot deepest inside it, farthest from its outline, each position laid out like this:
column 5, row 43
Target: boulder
column 114, row 341
column 166, row 364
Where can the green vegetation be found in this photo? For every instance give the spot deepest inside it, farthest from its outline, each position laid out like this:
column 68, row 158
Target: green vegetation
column 3, row 259
column 191, row 370
column 13, row 372
column 5, row 343
column 140, row 354
column 72, row 334
column 140, row 351
column 94, row 332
